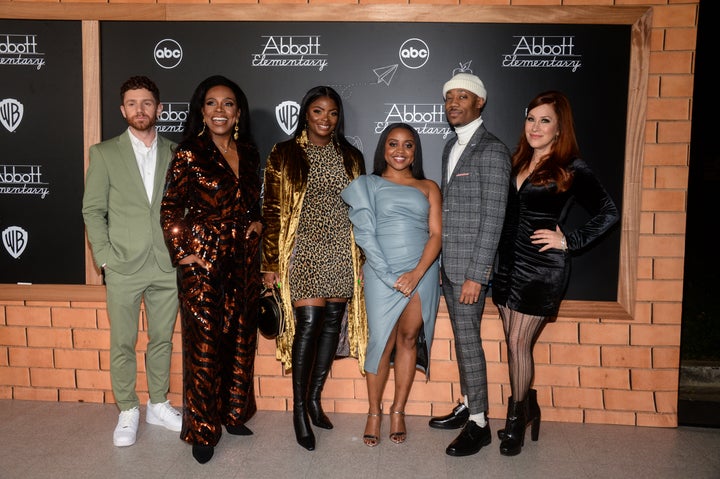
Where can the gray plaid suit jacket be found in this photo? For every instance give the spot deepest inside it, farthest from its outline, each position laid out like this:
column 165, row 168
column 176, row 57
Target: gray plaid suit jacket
column 474, row 203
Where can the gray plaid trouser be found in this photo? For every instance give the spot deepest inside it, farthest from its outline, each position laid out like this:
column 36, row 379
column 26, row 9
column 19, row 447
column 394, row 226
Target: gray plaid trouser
column 465, row 321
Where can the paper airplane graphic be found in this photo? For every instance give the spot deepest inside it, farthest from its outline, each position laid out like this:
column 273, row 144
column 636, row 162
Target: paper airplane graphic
column 385, row 74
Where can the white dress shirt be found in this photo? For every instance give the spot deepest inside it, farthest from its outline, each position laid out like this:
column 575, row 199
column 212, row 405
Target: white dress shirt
column 146, row 160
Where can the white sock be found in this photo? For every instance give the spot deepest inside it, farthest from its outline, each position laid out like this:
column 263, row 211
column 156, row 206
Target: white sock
column 478, row 419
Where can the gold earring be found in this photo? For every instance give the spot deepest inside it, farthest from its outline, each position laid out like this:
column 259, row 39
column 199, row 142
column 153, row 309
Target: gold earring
column 236, row 134
column 203, row 129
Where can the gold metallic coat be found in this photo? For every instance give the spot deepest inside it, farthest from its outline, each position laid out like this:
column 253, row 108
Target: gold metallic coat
column 286, row 175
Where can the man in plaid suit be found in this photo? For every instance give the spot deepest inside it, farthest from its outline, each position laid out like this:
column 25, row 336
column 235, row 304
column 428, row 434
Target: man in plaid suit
column 475, row 182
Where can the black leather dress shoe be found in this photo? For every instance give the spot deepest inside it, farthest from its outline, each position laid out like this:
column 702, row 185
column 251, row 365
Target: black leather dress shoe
column 471, row 439
column 455, row 420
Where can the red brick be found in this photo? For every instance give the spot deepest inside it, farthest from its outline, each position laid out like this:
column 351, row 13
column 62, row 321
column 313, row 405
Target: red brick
column 667, row 313
column 663, row 200
column 657, row 420
column 670, row 223
column 91, row 339
column 13, row 336
column 666, row 357
column 24, row 316
column 74, row 318
column 35, row 394
column 605, row 377
column 629, row 400
column 667, row 401
column 618, row 418
column 49, row 337
column 575, row 355
column 31, row 357
column 604, row 333
column 578, row 397
column 75, row 395
column 626, row 356
column 654, row 379
column 76, row 359
column 655, row 335
column 10, row 376
column 669, row 268
column 665, row 290
column 557, row 376
column 48, row 377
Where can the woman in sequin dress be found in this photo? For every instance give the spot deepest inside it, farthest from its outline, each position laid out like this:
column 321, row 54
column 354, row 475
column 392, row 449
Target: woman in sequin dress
column 211, row 219
column 309, row 252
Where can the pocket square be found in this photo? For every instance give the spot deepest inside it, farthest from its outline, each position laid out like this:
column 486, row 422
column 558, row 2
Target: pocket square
column 462, row 174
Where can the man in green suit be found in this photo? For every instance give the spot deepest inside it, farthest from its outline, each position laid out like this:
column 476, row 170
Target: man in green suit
column 121, row 208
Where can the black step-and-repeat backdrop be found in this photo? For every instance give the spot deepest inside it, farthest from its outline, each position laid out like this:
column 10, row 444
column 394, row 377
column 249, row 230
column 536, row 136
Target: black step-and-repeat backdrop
column 388, row 72
column 41, row 152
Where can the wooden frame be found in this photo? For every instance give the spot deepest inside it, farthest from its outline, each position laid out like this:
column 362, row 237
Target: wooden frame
column 640, row 19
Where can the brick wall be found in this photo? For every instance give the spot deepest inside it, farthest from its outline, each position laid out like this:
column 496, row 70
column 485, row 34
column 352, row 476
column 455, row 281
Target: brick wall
column 595, row 369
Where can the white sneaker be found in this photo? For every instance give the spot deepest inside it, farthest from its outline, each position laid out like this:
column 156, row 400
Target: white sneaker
column 127, row 426
column 163, row 414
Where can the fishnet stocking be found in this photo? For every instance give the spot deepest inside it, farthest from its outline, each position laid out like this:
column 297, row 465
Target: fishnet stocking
column 521, row 331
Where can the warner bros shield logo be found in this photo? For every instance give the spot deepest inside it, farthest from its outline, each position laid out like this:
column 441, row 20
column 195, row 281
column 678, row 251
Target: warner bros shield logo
column 15, row 239
column 11, row 113
column 286, row 114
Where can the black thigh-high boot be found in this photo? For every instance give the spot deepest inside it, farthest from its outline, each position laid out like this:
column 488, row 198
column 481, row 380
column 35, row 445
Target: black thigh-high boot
column 308, row 320
column 326, row 349
column 515, row 425
column 533, row 416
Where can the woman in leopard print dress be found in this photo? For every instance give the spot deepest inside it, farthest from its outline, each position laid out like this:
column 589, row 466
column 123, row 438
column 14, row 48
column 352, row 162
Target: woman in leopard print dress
column 309, row 252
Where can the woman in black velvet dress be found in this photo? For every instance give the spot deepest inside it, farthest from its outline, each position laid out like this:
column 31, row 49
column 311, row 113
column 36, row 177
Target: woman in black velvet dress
column 533, row 264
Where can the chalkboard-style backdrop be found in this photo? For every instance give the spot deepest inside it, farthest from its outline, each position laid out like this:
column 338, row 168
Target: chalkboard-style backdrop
column 390, row 72
column 41, row 152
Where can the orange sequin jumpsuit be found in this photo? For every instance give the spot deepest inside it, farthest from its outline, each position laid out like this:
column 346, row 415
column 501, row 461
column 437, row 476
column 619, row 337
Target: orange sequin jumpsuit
column 206, row 211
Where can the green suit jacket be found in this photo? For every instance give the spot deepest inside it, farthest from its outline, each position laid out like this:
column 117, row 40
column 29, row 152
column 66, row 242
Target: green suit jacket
column 123, row 227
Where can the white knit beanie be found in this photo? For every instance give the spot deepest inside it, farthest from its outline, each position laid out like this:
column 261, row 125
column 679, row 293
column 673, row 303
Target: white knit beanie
column 468, row 82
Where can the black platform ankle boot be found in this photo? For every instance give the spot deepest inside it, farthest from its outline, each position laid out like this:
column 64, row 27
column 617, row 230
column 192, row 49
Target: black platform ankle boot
column 326, row 349
column 308, row 320
column 533, row 416
column 515, row 425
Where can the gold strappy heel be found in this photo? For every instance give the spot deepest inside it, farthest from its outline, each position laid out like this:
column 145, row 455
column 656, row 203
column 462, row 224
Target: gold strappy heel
column 372, row 440
column 398, row 437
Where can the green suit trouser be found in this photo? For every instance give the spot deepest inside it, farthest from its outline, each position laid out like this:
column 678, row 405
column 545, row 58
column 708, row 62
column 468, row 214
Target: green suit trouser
column 158, row 290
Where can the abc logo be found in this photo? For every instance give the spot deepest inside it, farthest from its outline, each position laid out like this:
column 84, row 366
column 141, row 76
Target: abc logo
column 414, row 53
column 168, row 53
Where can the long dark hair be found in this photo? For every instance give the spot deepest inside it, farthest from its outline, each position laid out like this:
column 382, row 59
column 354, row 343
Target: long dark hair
column 194, row 123
column 312, row 95
column 564, row 150
column 379, row 163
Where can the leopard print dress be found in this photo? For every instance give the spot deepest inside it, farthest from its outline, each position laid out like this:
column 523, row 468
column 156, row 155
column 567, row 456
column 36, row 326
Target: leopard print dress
column 321, row 266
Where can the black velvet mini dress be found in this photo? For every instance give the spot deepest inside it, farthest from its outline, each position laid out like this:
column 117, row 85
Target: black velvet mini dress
column 533, row 282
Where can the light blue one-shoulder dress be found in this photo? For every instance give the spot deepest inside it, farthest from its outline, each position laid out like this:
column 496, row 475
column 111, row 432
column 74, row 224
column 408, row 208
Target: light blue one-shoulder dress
column 390, row 223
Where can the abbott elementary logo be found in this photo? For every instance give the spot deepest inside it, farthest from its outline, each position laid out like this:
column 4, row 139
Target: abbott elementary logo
column 15, row 239
column 543, row 52
column 414, row 53
column 20, row 50
column 168, row 53
column 11, row 113
column 173, row 117
column 286, row 114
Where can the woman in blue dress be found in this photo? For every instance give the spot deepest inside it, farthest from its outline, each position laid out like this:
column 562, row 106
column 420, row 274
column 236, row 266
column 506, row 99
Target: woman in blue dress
column 396, row 215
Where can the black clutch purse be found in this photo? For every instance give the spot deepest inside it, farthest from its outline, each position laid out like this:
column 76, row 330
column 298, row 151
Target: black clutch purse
column 271, row 321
